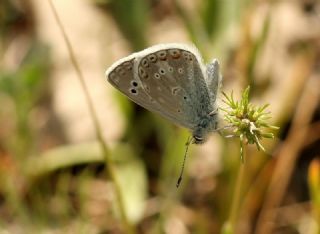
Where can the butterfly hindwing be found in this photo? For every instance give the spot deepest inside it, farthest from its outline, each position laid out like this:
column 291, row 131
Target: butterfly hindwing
column 213, row 80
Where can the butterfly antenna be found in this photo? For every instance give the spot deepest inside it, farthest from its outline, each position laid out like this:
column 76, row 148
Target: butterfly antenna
column 184, row 161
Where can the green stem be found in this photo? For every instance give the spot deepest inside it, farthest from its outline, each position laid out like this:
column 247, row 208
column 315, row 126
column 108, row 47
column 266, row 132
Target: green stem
column 105, row 150
column 241, row 149
column 236, row 197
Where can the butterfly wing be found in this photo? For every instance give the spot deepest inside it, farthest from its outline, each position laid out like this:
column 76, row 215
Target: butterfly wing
column 122, row 76
column 173, row 76
column 213, row 79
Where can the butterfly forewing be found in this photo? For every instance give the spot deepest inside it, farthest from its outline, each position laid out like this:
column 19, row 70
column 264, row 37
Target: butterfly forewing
column 166, row 79
column 121, row 76
column 174, row 78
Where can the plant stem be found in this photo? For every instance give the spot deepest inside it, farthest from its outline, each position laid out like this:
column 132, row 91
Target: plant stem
column 105, row 150
column 236, row 197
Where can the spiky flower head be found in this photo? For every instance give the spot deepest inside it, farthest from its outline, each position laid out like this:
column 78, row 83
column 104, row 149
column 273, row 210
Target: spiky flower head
column 249, row 122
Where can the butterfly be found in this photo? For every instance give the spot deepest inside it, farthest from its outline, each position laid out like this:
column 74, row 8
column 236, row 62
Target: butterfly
column 172, row 80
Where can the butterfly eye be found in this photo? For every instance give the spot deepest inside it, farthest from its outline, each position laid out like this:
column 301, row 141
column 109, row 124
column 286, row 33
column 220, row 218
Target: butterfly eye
column 175, row 53
column 152, row 58
column 170, row 69
column 162, row 55
column 180, row 70
column 198, row 139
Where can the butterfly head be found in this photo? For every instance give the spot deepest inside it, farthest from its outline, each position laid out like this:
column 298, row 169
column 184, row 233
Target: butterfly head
column 206, row 125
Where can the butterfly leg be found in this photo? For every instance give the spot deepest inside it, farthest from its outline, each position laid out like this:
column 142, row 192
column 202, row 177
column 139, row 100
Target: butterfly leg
column 214, row 112
column 220, row 131
column 228, row 136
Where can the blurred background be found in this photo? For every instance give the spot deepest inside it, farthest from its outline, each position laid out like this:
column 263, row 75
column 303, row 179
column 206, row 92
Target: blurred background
column 53, row 178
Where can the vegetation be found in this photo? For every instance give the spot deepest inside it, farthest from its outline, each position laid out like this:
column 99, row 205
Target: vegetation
column 78, row 157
